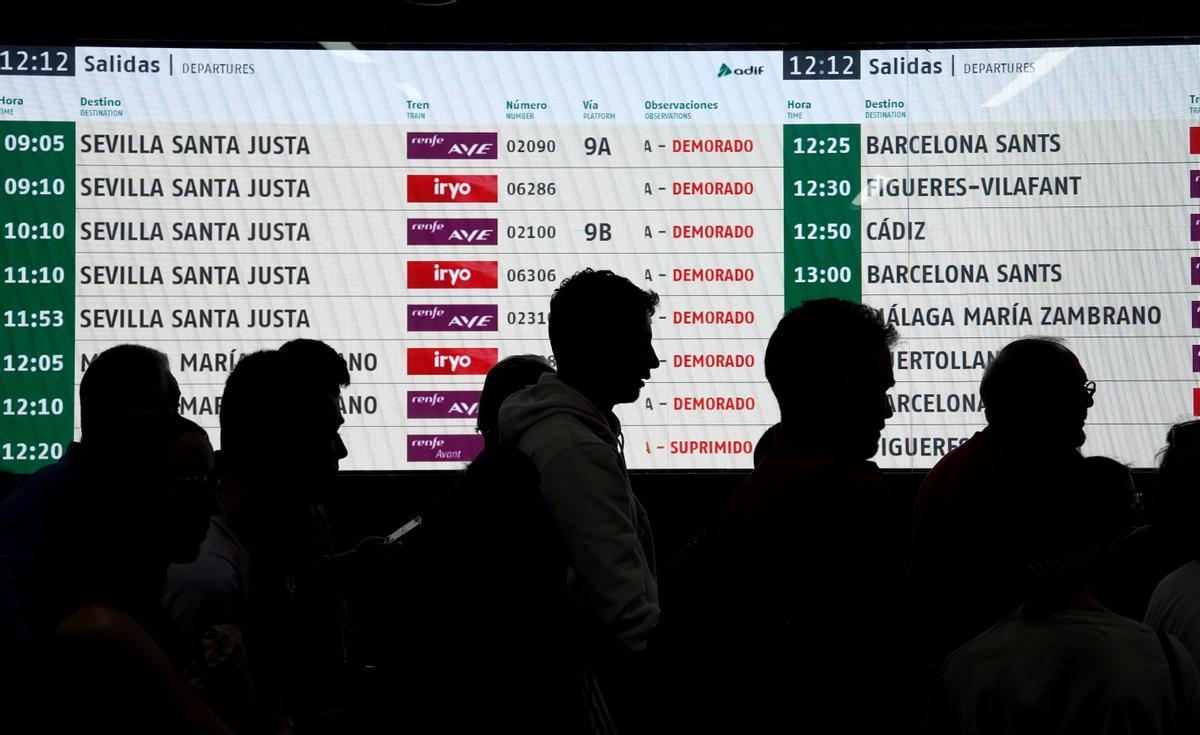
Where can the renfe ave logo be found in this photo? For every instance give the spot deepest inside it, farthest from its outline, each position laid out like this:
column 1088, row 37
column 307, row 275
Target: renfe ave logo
column 452, row 317
column 445, row 231
column 452, row 146
column 443, row 404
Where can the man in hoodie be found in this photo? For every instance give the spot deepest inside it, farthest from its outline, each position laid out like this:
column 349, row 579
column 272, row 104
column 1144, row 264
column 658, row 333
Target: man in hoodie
column 600, row 334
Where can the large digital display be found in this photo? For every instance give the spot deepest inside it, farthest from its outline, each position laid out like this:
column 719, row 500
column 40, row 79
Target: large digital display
column 417, row 208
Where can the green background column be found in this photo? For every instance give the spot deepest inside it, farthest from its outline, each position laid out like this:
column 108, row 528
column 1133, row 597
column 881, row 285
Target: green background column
column 827, row 155
column 37, row 290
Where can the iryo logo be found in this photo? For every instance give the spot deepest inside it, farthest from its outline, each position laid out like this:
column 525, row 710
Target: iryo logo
column 451, row 188
column 453, row 231
column 452, row 317
column 452, row 145
column 452, row 274
column 451, row 360
column 443, row 404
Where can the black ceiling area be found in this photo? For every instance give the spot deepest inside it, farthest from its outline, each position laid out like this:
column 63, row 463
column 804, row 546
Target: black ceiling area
column 538, row 22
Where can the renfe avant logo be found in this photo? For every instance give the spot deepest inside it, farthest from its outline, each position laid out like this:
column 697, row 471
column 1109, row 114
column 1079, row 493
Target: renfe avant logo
column 451, row 360
column 451, row 189
column 443, row 404
column 441, row 231
column 444, row 447
column 452, row 317
column 451, row 146
column 452, row 274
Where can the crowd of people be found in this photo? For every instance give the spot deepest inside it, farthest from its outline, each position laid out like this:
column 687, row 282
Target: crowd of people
column 150, row 585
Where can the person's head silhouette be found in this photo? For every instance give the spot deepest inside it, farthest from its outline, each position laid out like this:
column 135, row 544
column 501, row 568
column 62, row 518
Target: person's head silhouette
column 1078, row 510
column 505, row 378
column 600, row 333
column 279, row 428
column 1173, row 505
column 829, row 365
column 1035, row 392
column 321, row 364
column 139, row 498
column 121, row 379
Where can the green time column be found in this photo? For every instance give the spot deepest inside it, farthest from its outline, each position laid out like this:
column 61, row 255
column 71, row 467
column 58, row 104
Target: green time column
column 37, row 292
column 822, row 221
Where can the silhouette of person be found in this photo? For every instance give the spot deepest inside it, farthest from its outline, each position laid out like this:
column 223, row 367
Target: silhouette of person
column 245, row 595
column 1062, row 662
column 319, row 595
column 9, row 481
column 1036, row 397
column 109, row 658
column 120, row 379
column 505, row 378
column 488, row 577
column 813, row 573
column 764, row 443
column 601, row 335
column 321, row 365
column 1170, row 542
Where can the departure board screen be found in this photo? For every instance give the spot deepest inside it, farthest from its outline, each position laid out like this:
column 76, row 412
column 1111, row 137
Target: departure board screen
column 416, row 209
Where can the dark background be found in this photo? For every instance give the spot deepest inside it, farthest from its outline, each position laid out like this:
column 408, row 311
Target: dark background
column 775, row 24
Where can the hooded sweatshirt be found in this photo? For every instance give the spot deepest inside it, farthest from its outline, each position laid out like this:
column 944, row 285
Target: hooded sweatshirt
column 585, row 485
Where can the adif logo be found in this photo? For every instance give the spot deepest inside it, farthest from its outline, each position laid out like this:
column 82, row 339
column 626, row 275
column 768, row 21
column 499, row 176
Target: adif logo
column 725, row 71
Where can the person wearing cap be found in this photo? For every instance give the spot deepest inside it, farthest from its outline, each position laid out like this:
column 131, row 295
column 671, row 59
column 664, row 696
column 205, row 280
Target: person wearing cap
column 1062, row 662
